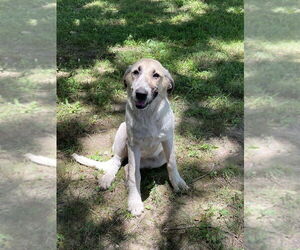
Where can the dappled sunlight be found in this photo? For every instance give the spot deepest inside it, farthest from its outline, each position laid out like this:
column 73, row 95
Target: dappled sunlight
column 233, row 48
column 104, row 66
column 98, row 40
column 265, row 149
column 10, row 110
column 108, row 7
column 40, row 77
column 235, row 10
column 27, row 124
column 10, row 74
column 286, row 10
column 32, row 22
column 263, row 50
column 84, row 78
column 264, row 102
column 49, row 6
column 271, row 124
column 99, row 4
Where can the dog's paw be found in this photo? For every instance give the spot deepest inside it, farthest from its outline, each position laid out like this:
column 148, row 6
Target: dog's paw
column 106, row 180
column 135, row 207
column 179, row 185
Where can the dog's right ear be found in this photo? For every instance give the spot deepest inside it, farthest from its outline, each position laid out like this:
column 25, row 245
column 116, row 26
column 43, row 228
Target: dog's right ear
column 125, row 76
column 171, row 82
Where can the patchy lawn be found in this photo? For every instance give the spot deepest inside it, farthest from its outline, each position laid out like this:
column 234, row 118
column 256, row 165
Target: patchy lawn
column 272, row 112
column 27, row 124
column 201, row 43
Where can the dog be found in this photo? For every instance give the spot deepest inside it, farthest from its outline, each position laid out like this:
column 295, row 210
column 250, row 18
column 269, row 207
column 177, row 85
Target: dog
column 147, row 135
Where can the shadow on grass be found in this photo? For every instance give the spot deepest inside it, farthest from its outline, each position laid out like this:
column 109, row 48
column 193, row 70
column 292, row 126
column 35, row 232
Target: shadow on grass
column 80, row 227
column 79, row 231
column 87, row 31
column 27, row 208
column 21, row 134
column 91, row 30
column 83, row 227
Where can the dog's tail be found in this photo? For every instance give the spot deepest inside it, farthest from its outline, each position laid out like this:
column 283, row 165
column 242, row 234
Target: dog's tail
column 92, row 163
column 41, row 160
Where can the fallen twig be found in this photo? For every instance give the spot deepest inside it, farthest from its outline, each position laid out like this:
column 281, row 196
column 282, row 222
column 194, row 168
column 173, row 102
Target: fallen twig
column 202, row 176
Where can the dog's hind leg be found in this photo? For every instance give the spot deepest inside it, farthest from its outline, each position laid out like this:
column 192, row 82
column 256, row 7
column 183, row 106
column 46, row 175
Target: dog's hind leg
column 111, row 166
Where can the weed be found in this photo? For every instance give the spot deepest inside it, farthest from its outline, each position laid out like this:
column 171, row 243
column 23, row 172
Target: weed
column 230, row 171
column 213, row 236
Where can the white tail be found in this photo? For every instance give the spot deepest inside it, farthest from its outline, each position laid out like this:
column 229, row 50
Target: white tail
column 42, row 160
column 92, row 163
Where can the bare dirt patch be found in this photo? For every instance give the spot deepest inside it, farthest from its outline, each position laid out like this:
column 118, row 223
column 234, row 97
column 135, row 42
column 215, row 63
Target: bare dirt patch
column 206, row 206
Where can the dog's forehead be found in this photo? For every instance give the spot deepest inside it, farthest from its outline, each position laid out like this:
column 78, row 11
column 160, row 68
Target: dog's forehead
column 149, row 65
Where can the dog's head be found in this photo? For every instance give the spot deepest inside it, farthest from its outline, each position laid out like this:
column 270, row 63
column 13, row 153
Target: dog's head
column 147, row 80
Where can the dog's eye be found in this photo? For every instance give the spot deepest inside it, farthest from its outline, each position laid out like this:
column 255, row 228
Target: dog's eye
column 156, row 76
column 135, row 72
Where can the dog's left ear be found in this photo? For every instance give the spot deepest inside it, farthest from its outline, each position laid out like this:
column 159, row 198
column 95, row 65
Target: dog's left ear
column 125, row 80
column 171, row 82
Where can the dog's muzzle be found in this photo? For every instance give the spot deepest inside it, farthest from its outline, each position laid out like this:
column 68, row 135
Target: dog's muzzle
column 141, row 97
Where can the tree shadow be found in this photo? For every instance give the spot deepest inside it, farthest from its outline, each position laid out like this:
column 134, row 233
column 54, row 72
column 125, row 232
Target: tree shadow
column 20, row 135
column 87, row 32
column 80, row 227
column 22, row 203
column 96, row 38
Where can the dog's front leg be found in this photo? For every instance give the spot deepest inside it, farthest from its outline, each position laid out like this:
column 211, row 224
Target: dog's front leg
column 177, row 182
column 135, row 204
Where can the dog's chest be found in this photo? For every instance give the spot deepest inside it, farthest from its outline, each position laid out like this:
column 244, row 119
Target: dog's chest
column 147, row 129
column 148, row 132
column 148, row 136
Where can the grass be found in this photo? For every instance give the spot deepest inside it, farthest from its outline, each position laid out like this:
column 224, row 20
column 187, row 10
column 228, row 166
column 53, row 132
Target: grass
column 272, row 115
column 201, row 44
column 27, row 124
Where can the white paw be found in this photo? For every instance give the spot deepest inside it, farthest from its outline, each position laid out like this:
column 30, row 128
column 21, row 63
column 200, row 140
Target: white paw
column 135, row 207
column 179, row 184
column 106, row 180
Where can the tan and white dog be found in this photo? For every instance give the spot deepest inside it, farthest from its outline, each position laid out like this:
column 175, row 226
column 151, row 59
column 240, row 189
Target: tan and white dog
column 147, row 135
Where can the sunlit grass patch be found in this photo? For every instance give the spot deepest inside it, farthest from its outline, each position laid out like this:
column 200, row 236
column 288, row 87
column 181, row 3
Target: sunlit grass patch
column 286, row 10
column 10, row 110
column 97, row 41
column 67, row 108
column 279, row 111
column 84, row 77
column 102, row 67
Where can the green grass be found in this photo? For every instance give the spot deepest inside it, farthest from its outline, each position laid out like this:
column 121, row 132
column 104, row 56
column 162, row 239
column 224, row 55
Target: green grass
column 201, row 44
column 97, row 40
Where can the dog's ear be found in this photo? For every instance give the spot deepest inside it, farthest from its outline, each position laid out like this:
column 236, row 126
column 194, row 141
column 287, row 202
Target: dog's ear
column 125, row 76
column 171, row 82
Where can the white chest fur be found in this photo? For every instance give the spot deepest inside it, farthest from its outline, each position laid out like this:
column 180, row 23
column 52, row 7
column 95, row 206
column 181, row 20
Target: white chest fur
column 148, row 128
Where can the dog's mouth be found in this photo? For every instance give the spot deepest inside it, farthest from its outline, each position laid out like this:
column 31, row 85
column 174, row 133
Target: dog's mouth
column 141, row 104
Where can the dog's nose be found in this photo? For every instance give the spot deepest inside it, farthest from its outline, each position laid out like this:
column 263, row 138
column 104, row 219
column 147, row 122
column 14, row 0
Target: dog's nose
column 141, row 94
